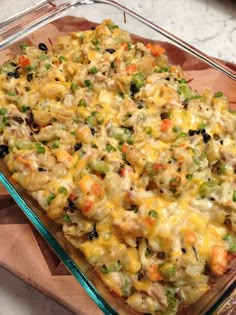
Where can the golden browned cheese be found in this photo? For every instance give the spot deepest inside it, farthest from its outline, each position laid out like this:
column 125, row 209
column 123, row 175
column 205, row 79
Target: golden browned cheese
column 136, row 166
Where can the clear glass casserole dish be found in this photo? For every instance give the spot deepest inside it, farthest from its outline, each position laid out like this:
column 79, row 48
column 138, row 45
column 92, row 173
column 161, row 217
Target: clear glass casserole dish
column 45, row 23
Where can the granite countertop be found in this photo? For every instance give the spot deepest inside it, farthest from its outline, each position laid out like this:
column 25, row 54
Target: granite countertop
column 208, row 25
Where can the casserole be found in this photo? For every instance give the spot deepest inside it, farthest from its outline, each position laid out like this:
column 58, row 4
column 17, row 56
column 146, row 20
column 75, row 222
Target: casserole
column 190, row 68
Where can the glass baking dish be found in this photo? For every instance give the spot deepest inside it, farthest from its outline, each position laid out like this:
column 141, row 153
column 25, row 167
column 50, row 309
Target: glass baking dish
column 44, row 22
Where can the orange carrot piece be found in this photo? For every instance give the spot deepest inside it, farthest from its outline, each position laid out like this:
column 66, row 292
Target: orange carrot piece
column 125, row 46
column 124, row 148
column 166, row 124
column 24, row 61
column 131, row 68
column 159, row 167
column 190, row 238
column 156, row 50
column 88, row 206
column 153, row 273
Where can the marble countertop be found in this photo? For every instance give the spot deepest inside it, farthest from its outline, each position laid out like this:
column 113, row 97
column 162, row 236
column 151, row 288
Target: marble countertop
column 208, row 25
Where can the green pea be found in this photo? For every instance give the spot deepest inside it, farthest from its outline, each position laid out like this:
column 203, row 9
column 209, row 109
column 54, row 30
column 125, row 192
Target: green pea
column 93, row 70
column 153, row 214
column 88, row 84
column 39, row 148
column 3, row 111
column 62, row 190
column 50, row 198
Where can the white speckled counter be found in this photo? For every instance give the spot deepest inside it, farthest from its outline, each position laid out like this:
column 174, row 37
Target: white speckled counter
column 209, row 25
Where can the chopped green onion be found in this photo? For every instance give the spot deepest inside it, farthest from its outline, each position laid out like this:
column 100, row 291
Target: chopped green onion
column 176, row 129
column 23, row 47
column 148, row 252
column 95, row 41
column 207, row 188
column 114, row 268
column 138, row 79
column 234, row 196
column 134, row 209
column 232, row 245
column 76, row 120
column 201, row 126
column 66, row 218
column 181, row 135
column 11, row 93
column 99, row 166
column 168, row 270
column 189, row 176
column 112, row 26
column 42, row 57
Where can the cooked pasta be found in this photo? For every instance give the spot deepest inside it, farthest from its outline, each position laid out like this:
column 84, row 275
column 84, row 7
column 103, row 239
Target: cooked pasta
column 136, row 166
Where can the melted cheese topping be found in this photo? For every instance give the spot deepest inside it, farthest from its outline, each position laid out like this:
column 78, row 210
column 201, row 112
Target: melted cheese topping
column 136, row 166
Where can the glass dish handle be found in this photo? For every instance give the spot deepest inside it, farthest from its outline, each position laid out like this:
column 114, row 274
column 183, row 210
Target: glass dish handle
column 30, row 19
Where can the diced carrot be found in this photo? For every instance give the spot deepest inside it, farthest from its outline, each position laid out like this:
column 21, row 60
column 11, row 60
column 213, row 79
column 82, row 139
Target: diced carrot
column 153, row 273
column 156, row 50
column 166, row 124
column 190, row 238
column 159, row 166
column 149, row 221
column 97, row 190
column 219, row 260
column 24, row 61
column 88, row 206
column 56, row 63
column 131, row 68
column 125, row 46
column 124, row 148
